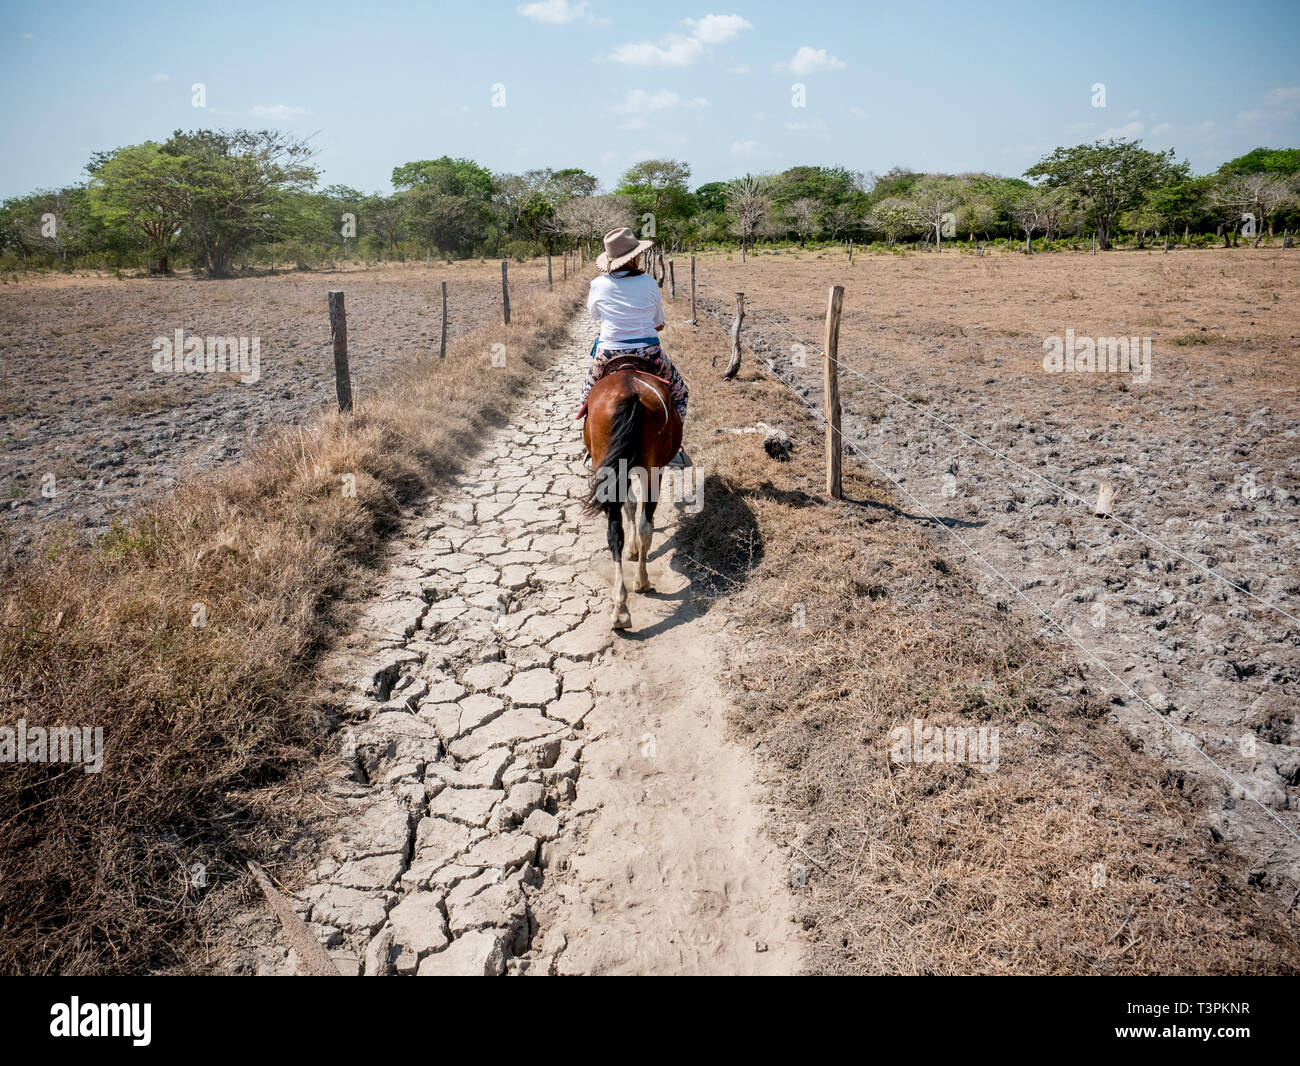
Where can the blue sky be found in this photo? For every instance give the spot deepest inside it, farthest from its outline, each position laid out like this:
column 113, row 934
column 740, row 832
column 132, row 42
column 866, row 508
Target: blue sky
column 928, row 84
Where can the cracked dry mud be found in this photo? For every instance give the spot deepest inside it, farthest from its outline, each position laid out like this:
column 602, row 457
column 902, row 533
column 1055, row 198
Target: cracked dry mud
column 1203, row 465
column 532, row 794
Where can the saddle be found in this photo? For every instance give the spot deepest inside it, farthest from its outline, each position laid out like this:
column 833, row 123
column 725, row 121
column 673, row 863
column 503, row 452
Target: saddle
column 637, row 364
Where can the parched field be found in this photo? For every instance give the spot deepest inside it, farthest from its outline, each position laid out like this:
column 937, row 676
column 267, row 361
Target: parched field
column 87, row 427
column 1203, row 456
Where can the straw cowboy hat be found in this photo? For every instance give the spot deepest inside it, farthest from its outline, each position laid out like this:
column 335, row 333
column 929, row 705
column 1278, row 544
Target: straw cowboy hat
column 621, row 247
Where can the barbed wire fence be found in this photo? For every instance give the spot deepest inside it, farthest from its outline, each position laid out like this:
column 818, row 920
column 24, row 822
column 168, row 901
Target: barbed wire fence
column 860, row 449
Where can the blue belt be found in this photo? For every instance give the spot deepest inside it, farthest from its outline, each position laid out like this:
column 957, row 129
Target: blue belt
column 639, row 342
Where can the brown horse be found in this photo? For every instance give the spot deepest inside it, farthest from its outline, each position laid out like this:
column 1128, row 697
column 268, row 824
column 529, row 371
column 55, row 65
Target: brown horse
column 632, row 432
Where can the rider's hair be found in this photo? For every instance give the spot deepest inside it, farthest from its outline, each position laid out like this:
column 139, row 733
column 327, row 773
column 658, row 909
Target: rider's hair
column 631, row 269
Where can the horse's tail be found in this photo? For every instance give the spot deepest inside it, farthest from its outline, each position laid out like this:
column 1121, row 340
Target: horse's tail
column 609, row 481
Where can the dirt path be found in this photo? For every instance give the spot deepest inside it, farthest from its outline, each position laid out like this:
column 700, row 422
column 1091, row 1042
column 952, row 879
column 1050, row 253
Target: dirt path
column 529, row 794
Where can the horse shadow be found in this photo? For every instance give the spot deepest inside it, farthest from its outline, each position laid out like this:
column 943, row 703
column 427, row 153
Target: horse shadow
column 716, row 546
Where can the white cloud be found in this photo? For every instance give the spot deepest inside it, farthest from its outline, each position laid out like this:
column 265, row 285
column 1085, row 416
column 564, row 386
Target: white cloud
column 278, row 111
column 160, row 78
column 718, row 29
column 640, row 102
column 559, row 12
column 809, row 60
column 739, row 68
column 744, row 147
column 1129, row 129
column 28, row 36
column 1161, row 129
column 679, row 50
column 858, row 113
column 1280, row 105
column 676, row 51
column 607, row 158
column 636, row 122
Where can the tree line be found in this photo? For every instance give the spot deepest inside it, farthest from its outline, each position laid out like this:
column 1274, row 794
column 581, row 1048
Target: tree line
column 219, row 201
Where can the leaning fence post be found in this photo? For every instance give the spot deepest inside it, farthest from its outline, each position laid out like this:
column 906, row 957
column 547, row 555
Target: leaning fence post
column 693, row 290
column 672, row 282
column 831, row 382
column 505, row 292
column 550, row 287
column 442, row 343
column 339, row 331
column 734, row 365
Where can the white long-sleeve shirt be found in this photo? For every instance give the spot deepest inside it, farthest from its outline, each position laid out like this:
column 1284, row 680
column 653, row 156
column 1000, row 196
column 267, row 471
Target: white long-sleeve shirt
column 627, row 308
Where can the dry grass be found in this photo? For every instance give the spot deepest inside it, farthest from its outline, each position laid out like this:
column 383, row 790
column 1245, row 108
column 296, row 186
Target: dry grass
column 208, row 730
column 1078, row 856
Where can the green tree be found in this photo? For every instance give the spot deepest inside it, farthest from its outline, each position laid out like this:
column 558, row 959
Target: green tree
column 450, row 177
column 1179, row 203
column 448, row 202
column 452, row 224
column 1264, row 161
column 239, row 183
column 658, row 187
column 1109, row 176
column 145, row 192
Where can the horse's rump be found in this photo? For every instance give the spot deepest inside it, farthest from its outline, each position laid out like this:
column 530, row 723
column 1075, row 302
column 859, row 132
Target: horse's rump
column 631, row 423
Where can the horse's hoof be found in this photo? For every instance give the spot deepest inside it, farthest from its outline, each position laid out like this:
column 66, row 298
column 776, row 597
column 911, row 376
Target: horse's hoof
column 643, row 586
column 622, row 620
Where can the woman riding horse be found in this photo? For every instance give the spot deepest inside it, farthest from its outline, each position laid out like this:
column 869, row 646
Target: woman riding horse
column 635, row 402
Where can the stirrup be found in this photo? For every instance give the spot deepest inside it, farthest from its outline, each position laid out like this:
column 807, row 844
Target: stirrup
column 681, row 460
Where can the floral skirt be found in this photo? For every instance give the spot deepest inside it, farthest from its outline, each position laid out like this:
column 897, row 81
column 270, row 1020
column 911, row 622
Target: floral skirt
column 652, row 354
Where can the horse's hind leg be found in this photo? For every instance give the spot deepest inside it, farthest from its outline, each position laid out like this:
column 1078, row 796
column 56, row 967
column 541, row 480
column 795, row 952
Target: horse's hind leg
column 645, row 531
column 621, row 619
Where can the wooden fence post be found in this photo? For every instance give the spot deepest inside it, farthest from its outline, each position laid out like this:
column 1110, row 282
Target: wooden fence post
column 672, row 282
column 550, row 287
column 850, row 251
column 831, row 381
column 693, row 322
column 442, row 344
column 339, row 331
column 505, row 292
column 734, row 365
